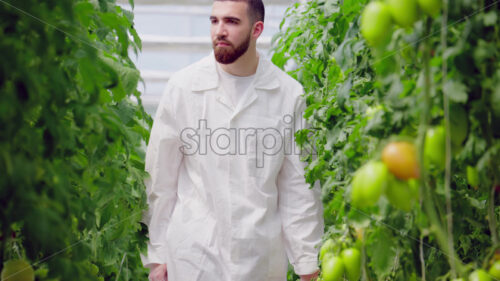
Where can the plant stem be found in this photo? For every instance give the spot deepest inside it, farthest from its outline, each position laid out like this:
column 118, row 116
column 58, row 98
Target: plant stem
column 121, row 266
column 447, row 177
column 363, row 263
column 429, row 207
column 422, row 260
column 492, row 221
column 426, row 195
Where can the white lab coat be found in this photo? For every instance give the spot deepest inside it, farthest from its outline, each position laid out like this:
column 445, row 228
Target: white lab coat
column 217, row 215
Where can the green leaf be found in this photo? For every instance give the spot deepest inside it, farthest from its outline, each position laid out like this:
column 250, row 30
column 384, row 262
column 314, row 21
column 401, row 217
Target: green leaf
column 344, row 92
column 456, row 91
column 84, row 11
column 490, row 18
column 381, row 250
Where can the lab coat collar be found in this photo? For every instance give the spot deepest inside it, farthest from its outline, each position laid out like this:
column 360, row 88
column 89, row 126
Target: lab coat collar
column 207, row 77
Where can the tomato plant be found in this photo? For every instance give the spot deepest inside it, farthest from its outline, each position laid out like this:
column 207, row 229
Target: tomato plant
column 72, row 131
column 434, row 85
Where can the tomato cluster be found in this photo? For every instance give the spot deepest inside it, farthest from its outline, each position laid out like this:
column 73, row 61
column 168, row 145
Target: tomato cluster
column 335, row 266
column 395, row 176
column 378, row 17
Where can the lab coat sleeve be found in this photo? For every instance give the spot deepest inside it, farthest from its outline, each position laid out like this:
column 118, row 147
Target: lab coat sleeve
column 163, row 159
column 300, row 206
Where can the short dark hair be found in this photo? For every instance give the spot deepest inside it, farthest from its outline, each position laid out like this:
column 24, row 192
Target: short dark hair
column 256, row 9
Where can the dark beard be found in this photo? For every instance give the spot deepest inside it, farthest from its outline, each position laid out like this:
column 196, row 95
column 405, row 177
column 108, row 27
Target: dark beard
column 229, row 54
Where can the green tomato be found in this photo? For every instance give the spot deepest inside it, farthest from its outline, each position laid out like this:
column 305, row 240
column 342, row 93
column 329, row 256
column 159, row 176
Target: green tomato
column 459, row 125
column 479, row 275
column 472, row 176
column 495, row 270
column 17, row 270
column 352, row 263
column 404, row 12
column 400, row 194
column 430, row 7
column 332, row 268
column 376, row 23
column 368, row 184
column 435, row 145
column 327, row 247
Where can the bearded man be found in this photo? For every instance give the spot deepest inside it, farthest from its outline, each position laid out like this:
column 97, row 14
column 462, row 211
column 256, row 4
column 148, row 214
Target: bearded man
column 227, row 196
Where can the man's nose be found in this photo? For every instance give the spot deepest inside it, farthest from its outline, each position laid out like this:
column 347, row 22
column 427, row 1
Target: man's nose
column 221, row 30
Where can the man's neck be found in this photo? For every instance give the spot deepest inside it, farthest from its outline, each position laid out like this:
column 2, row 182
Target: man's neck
column 245, row 65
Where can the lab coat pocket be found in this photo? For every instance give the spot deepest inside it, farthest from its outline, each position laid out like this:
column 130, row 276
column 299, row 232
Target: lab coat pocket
column 190, row 238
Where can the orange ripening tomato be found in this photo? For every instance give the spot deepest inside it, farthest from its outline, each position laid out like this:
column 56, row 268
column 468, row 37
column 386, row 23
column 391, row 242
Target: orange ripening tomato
column 400, row 157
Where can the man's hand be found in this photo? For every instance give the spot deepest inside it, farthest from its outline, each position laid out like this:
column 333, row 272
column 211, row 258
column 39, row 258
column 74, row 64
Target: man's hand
column 309, row 277
column 158, row 273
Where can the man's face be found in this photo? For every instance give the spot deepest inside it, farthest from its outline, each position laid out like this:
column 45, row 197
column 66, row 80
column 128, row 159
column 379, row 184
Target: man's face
column 230, row 29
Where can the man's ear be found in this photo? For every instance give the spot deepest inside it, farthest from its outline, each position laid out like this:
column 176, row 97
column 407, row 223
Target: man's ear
column 257, row 29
